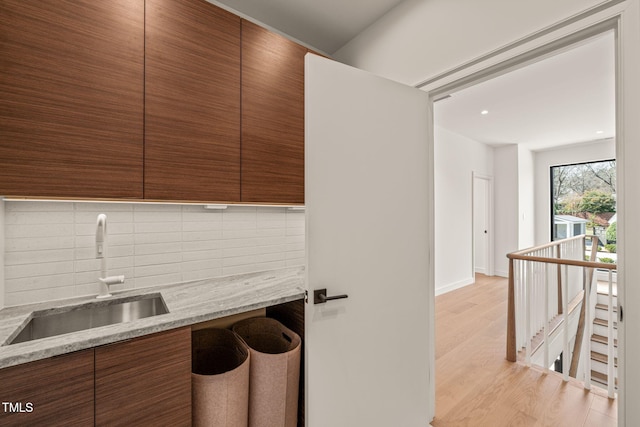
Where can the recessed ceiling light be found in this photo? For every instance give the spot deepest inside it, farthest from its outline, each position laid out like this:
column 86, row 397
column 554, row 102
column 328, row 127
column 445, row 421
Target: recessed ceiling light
column 484, row 112
column 599, row 132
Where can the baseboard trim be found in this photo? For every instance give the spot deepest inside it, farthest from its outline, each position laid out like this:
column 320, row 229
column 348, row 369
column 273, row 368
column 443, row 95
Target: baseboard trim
column 456, row 285
column 501, row 273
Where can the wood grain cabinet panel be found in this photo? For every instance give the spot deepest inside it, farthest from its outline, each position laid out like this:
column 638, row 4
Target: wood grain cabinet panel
column 52, row 392
column 145, row 381
column 71, row 98
column 192, row 89
column 272, row 117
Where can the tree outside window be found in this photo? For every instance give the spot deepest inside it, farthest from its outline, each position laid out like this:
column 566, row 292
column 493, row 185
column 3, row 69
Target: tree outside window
column 586, row 191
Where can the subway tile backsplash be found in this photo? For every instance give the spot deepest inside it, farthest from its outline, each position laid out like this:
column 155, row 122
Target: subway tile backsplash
column 50, row 246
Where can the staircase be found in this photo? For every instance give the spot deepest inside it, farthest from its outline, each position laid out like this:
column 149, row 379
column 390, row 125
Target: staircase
column 600, row 341
column 543, row 283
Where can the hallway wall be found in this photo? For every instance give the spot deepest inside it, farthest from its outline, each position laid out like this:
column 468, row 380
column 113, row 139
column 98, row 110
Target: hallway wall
column 506, row 206
column 456, row 158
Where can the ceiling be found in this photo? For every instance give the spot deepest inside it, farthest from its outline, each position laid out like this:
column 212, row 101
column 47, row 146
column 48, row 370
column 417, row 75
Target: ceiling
column 564, row 99
column 326, row 25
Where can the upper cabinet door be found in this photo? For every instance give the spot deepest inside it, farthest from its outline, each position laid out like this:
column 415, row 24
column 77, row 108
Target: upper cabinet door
column 368, row 220
column 71, row 98
column 272, row 117
column 192, row 103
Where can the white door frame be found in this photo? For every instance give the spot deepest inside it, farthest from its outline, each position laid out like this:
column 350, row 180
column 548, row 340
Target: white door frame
column 489, row 218
column 623, row 17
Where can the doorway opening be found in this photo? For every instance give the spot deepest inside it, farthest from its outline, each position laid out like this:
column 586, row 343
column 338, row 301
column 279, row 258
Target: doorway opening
column 512, row 159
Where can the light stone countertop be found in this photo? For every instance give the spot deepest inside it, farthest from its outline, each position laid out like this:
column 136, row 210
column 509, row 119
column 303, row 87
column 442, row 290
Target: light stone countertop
column 188, row 303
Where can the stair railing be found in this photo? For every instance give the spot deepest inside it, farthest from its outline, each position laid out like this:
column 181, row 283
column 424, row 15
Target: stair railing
column 547, row 284
column 587, row 312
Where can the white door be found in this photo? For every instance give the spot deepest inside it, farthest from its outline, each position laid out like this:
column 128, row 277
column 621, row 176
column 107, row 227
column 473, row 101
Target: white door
column 368, row 196
column 480, row 224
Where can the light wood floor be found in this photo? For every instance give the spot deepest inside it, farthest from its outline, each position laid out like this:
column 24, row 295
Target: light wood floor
column 476, row 386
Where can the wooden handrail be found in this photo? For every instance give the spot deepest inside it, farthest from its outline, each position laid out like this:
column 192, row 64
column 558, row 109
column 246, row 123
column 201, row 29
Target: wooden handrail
column 522, row 254
column 575, row 262
column 511, row 353
column 548, row 245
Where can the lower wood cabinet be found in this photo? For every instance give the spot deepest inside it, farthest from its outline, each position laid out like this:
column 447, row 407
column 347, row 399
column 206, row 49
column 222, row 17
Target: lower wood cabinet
column 145, row 381
column 142, row 381
column 52, row 392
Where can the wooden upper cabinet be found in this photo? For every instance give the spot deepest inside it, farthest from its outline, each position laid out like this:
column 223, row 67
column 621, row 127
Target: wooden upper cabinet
column 272, row 117
column 52, row 392
column 71, row 98
column 192, row 114
column 145, row 381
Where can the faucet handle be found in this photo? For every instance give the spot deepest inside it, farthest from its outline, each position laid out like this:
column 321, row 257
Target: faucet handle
column 112, row 280
column 105, row 282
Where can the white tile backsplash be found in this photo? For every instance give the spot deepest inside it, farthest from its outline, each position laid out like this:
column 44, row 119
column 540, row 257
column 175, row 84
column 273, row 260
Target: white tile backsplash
column 50, row 246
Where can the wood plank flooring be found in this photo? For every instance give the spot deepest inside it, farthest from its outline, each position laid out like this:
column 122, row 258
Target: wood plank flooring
column 476, row 386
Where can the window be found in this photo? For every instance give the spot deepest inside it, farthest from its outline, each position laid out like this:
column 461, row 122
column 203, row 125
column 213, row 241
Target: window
column 560, row 231
column 584, row 195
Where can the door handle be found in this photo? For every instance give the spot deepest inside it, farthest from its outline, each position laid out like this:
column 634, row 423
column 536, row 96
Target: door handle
column 320, row 296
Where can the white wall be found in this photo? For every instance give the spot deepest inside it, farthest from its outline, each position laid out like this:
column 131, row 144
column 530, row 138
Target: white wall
column 543, row 160
column 526, row 203
column 453, row 205
column 514, row 203
column 50, row 246
column 513, row 169
column 506, row 210
column 419, row 39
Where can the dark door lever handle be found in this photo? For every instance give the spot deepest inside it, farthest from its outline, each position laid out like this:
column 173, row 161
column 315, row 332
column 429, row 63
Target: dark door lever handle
column 320, row 296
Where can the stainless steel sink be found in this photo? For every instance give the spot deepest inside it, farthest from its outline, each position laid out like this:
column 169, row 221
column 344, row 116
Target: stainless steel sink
column 93, row 315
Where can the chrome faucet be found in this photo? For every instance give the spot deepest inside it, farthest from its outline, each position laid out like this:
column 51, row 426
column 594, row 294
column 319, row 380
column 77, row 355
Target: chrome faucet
column 101, row 253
